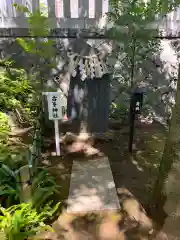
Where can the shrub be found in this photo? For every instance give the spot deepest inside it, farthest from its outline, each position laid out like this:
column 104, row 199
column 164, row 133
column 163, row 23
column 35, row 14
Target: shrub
column 22, row 221
column 43, row 186
column 118, row 111
column 14, row 88
column 10, row 188
column 4, row 128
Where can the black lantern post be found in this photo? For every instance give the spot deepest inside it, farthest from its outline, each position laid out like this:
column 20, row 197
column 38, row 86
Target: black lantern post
column 136, row 103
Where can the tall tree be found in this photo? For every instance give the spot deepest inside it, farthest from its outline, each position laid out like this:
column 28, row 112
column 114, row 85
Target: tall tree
column 42, row 50
column 133, row 31
column 171, row 151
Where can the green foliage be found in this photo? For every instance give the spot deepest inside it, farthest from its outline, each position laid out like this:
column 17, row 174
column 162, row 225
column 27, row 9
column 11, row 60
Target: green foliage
column 10, row 188
column 22, row 221
column 4, row 151
column 132, row 30
column 146, row 10
column 4, row 128
column 118, row 111
column 41, row 48
column 131, row 22
column 44, row 186
column 14, row 88
column 38, row 27
column 4, row 133
column 38, row 21
column 14, row 156
column 18, row 92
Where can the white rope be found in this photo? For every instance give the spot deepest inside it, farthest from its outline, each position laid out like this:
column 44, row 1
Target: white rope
column 84, row 57
column 88, row 66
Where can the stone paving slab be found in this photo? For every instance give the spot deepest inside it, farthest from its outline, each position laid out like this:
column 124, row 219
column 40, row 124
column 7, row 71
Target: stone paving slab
column 92, row 187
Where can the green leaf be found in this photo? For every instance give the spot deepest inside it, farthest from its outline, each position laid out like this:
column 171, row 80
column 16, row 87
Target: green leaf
column 23, row 44
column 22, row 221
column 21, row 8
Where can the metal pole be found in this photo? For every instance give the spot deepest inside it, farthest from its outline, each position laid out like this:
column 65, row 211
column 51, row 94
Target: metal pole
column 132, row 108
column 132, row 125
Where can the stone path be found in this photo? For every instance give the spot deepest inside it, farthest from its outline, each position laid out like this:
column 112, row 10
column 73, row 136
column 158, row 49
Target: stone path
column 92, row 187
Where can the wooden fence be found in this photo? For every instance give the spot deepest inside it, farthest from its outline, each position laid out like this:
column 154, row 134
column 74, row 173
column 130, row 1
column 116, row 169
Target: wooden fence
column 73, row 14
column 62, row 13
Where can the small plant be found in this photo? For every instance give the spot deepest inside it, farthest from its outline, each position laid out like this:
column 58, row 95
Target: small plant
column 10, row 188
column 38, row 26
column 22, row 221
column 4, row 128
column 43, row 187
column 14, row 87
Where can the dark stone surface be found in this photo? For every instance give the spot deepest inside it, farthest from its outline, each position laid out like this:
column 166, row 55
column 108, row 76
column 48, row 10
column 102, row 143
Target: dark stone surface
column 89, row 100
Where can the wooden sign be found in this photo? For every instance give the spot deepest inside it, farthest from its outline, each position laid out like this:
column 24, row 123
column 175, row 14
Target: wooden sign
column 57, row 105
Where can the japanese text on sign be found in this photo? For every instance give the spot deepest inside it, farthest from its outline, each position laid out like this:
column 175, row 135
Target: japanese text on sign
column 56, row 105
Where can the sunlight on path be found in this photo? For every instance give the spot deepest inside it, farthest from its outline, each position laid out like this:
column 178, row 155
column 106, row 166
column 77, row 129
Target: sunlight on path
column 92, row 187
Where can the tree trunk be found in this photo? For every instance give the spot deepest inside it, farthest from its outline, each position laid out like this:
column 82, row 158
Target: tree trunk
column 171, row 152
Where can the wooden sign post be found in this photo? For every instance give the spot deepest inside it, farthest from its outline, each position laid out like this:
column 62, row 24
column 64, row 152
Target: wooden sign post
column 135, row 108
column 56, row 105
